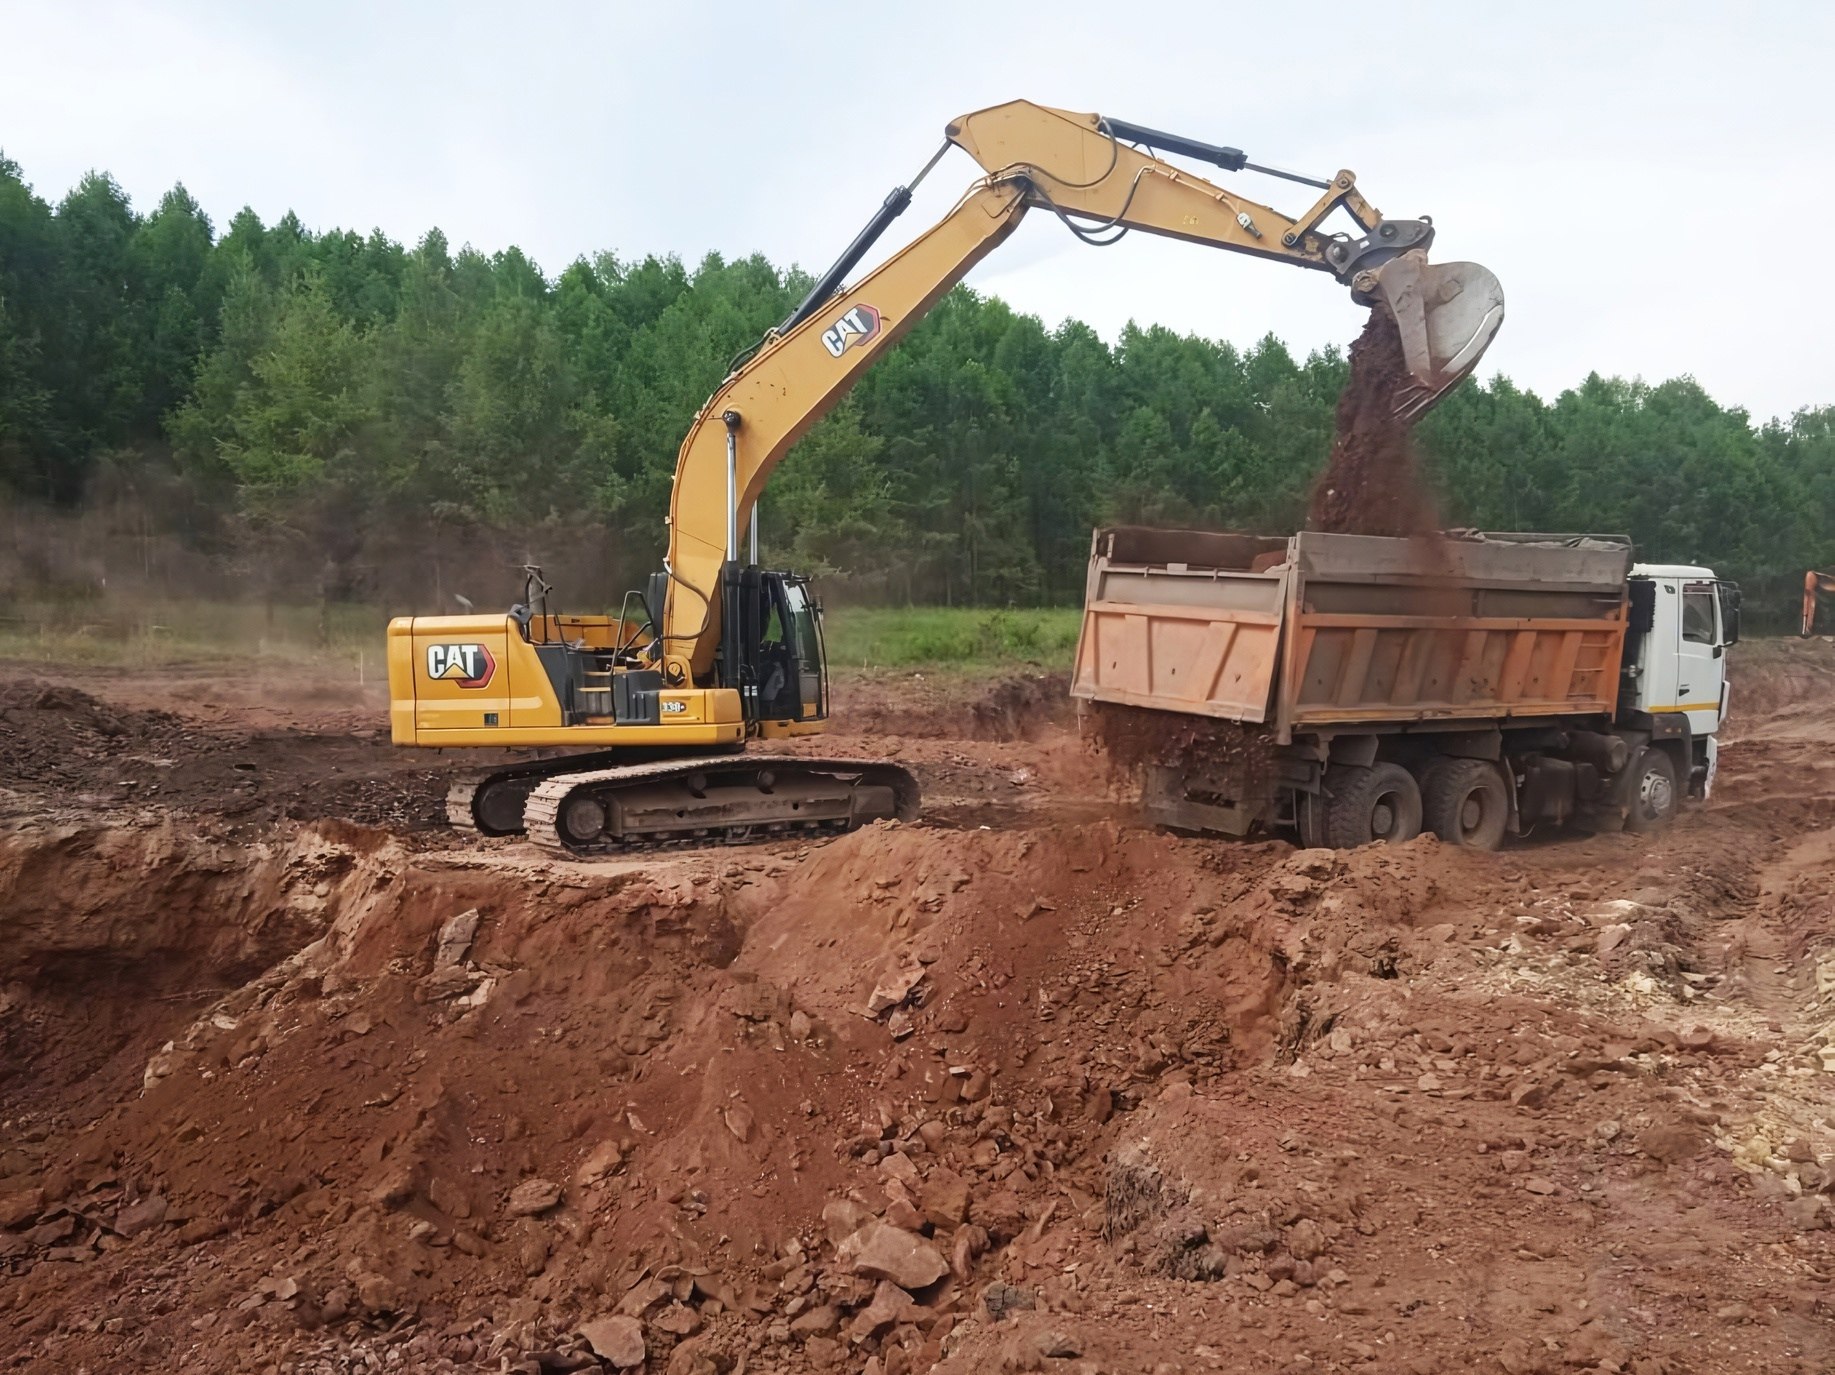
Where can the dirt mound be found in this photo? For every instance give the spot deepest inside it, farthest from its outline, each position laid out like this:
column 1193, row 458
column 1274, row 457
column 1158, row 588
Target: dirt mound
column 1019, row 707
column 65, row 746
column 1767, row 675
column 1371, row 485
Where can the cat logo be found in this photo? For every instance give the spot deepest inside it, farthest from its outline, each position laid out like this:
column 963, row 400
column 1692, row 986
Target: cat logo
column 856, row 327
column 470, row 666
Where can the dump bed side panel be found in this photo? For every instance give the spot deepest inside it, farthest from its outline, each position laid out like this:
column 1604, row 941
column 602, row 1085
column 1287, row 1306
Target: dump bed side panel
column 1335, row 630
column 1387, row 630
column 1169, row 623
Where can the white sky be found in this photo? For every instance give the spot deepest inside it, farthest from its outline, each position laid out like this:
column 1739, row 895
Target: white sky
column 1648, row 180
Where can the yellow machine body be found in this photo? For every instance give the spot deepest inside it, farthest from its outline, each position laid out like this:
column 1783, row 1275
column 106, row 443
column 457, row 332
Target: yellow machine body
column 477, row 681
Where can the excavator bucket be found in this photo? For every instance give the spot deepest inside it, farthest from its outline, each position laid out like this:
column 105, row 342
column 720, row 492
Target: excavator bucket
column 1447, row 314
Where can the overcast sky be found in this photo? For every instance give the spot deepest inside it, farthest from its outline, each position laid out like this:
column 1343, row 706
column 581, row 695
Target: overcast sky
column 1649, row 181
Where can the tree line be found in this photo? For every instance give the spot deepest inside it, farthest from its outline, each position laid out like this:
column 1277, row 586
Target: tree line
column 341, row 389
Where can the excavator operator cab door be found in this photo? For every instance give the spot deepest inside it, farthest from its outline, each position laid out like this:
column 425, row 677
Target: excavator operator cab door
column 803, row 619
column 772, row 649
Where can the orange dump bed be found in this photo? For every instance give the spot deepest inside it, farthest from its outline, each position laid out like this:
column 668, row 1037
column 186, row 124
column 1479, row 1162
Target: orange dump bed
column 1321, row 630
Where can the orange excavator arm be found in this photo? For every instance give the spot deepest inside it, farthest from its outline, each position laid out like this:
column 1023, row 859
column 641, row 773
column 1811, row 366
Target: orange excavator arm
column 1814, row 583
column 1101, row 177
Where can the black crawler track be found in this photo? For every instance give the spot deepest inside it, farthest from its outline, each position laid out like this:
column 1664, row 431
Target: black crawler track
column 731, row 799
column 463, row 798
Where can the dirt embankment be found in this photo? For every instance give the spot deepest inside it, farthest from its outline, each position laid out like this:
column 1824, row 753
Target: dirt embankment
column 1020, row 1094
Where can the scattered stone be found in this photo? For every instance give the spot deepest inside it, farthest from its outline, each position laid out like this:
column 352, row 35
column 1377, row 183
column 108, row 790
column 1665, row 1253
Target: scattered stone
column 50, row 1233
column 619, row 1340
column 1671, row 1141
column 605, row 1159
column 1000, row 1299
column 890, row 1304
column 1809, row 1214
column 455, row 939
column 1057, row 1345
column 881, row 1251
column 945, row 1198
column 1305, row 1239
column 21, row 1206
column 824, row 1320
column 739, row 1120
column 533, row 1196
column 1535, row 1184
column 678, row 1320
column 841, row 1218
column 892, row 990
column 1531, row 1093
column 376, row 1293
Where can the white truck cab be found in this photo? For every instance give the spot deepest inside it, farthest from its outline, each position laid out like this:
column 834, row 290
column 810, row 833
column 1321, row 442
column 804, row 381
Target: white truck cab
column 1683, row 618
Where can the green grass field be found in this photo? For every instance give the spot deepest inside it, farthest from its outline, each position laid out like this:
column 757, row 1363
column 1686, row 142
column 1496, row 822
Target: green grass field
column 154, row 634
column 949, row 637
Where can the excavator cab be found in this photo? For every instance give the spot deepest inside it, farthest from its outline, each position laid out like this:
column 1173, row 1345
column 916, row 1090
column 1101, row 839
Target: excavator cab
column 771, row 648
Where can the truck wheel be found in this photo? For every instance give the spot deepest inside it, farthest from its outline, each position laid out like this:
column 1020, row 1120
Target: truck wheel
column 1465, row 803
column 1650, row 794
column 1382, row 802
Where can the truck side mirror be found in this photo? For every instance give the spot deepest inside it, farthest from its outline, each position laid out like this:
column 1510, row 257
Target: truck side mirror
column 1729, row 613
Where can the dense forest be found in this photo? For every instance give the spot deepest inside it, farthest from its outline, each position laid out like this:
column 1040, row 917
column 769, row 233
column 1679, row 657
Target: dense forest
column 319, row 407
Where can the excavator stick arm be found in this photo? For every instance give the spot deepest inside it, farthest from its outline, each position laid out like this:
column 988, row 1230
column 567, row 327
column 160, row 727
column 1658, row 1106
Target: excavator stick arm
column 1082, row 167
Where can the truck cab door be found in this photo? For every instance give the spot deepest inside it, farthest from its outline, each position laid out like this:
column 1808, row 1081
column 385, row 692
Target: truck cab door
column 1701, row 657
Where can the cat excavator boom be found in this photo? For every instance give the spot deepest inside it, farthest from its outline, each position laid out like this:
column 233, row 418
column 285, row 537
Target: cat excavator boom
column 717, row 651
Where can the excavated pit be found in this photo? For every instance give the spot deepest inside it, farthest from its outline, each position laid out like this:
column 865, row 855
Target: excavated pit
column 328, row 1098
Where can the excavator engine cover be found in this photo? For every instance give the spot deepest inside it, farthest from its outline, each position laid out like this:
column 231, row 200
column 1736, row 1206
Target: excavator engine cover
column 1446, row 313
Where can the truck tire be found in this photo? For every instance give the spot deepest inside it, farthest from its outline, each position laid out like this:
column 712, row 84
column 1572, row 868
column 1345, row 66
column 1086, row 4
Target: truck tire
column 1464, row 802
column 1382, row 802
column 1651, row 797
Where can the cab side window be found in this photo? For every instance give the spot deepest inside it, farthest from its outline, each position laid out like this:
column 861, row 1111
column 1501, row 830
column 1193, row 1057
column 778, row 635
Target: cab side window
column 1698, row 614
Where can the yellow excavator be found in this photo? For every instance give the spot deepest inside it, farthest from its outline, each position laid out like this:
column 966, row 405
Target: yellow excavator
column 715, row 651
column 1814, row 583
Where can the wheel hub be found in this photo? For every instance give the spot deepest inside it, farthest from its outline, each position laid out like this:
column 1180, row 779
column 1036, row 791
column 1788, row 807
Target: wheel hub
column 1656, row 794
column 583, row 819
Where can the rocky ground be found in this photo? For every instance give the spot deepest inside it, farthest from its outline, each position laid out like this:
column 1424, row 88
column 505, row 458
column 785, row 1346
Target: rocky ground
column 292, row 1081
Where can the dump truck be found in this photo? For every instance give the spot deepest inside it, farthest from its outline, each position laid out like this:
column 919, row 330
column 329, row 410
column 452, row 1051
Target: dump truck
column 1356, row 688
